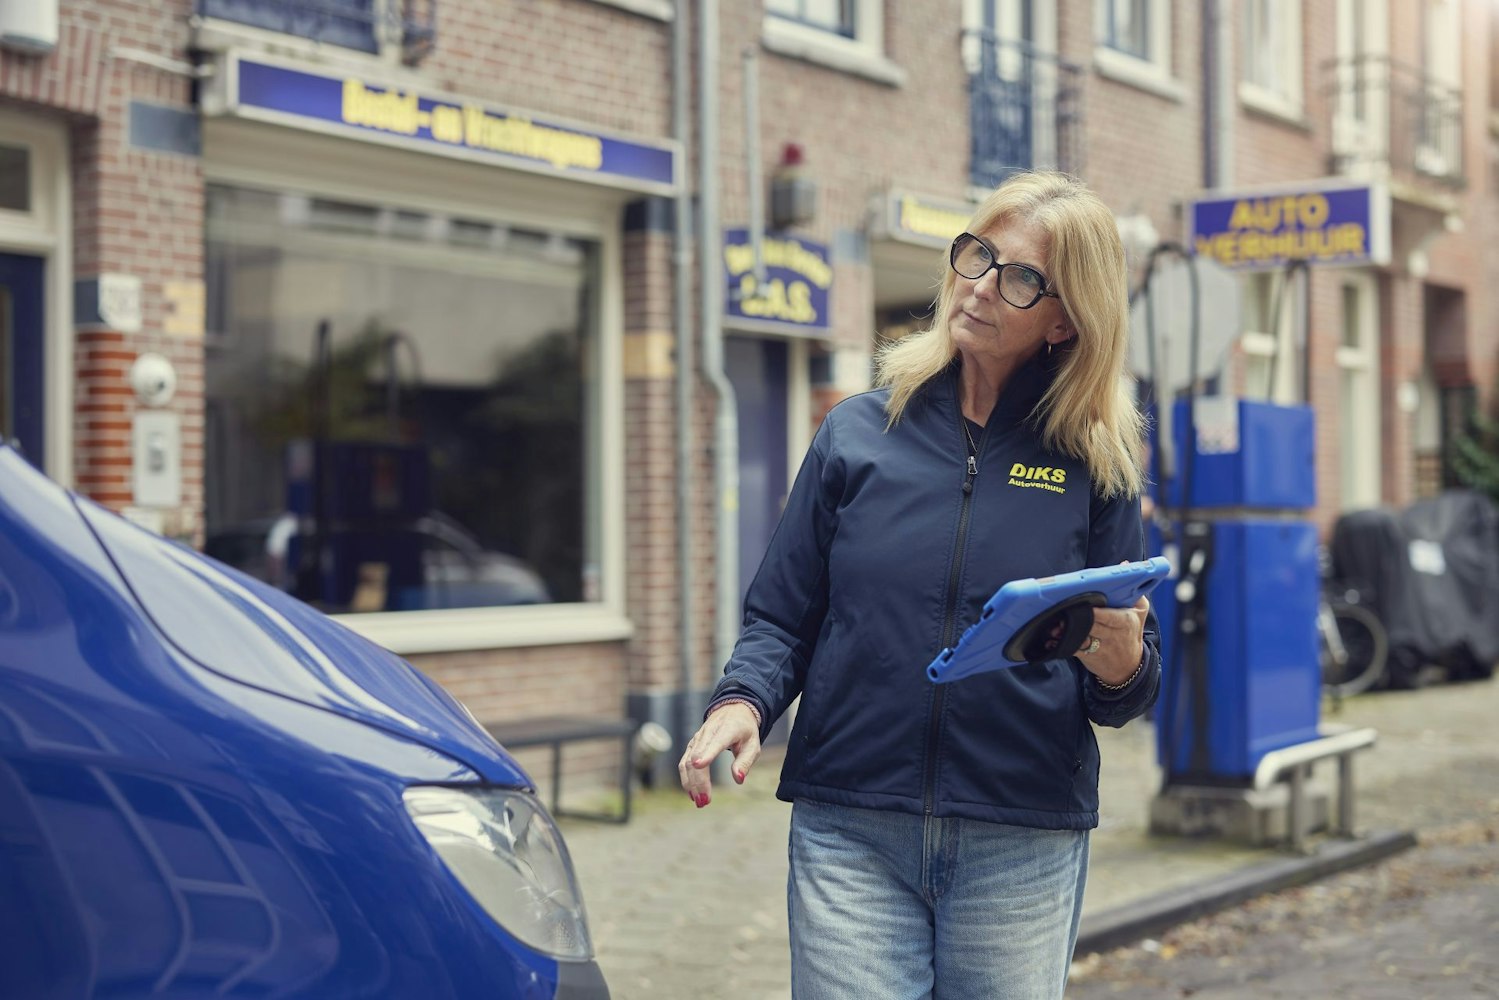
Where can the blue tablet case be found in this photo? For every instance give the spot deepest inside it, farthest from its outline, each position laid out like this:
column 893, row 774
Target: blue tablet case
column 982, row 646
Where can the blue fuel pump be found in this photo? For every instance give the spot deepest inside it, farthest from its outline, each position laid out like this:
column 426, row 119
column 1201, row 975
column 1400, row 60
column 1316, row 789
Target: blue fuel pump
column 1241, row 674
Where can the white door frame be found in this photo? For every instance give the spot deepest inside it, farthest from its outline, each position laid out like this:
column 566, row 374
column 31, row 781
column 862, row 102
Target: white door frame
column 46, row 231
column 1360, row 435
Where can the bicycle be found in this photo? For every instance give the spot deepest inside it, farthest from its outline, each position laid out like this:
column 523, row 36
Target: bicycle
column 1354, row 645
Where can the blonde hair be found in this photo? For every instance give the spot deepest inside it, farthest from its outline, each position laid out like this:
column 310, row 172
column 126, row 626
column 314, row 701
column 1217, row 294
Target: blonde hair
column 1088, row 412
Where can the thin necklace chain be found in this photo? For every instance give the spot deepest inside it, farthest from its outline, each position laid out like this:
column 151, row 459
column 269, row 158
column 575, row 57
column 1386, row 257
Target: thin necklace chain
column 973, row 449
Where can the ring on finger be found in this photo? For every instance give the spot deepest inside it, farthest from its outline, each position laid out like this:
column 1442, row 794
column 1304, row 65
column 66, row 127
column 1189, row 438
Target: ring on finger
column 1093, row 643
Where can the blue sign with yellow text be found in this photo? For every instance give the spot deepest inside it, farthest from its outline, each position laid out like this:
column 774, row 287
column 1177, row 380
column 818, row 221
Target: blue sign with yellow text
column 450, row 126
column 792, row 298
column 1334, row 225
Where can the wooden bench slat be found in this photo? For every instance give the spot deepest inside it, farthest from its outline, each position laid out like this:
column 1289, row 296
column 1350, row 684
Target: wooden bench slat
column 564, row 728
column 556, row 730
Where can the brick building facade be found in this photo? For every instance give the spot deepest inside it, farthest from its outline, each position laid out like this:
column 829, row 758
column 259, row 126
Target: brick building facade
column 457, row 188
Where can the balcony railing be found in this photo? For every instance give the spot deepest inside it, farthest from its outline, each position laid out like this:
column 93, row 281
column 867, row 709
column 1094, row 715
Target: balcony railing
column 1025, row 109
column 408, row 26
column 1392, row 119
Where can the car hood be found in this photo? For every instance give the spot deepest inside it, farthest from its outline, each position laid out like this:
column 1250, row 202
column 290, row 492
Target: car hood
column 252, row 633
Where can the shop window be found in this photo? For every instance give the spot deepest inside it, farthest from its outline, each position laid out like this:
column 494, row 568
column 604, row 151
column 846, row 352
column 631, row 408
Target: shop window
column 402, row 408
column 1272, row 60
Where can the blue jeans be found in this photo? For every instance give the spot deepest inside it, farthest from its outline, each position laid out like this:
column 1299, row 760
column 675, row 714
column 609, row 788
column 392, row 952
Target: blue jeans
column 893, row 905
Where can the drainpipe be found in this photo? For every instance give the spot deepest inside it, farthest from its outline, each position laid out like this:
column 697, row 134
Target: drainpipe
column 681, row 127
column 711, row 289
column 1217, row 95
column 754, row 181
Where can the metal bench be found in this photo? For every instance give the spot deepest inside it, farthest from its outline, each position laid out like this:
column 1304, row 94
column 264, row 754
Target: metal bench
column 1296, row 761
column 556, row 730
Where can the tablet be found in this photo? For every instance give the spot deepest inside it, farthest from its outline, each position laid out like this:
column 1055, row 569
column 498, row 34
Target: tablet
column 1017, row 623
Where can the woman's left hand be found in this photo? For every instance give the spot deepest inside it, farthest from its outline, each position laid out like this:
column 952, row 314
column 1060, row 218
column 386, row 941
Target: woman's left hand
column 1115, row 644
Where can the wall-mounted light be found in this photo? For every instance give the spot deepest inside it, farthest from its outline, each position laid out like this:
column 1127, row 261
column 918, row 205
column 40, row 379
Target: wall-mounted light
column 793, row 195
column 28, row 26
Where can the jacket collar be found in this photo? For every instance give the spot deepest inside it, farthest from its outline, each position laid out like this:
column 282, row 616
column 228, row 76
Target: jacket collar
column 1021, row 394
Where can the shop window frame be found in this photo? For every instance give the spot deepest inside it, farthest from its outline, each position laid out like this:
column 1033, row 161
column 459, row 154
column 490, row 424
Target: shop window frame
column 457, row 629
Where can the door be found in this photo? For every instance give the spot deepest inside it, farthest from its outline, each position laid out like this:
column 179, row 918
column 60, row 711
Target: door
column 758, row 369
column 1359, row 437
column 1360, row 132
column 1000, row 53
column 22, row 393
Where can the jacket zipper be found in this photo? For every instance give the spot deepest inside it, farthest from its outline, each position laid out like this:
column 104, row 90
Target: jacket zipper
column 950, row 618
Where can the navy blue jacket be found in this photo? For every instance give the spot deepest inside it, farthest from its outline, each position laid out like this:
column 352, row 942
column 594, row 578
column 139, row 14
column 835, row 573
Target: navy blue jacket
column 888, row 548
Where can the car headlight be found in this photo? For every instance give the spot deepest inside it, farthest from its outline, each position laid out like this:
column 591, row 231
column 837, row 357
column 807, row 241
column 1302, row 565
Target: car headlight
column 502, row 847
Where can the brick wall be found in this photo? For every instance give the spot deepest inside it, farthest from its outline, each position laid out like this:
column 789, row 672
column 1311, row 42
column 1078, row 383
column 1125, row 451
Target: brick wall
column 510, row 684
column 136, row 212
column 1143, row 150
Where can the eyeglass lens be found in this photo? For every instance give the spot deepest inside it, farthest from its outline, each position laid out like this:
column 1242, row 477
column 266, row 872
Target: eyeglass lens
column 1020, row 285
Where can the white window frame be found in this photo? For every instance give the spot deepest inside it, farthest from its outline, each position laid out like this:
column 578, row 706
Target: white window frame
column 1283, row 95
column 1260, row 345
column 45, row 230
column 862, row 55
column 1043, row 40
column 1153, row 71
column 1442, row 62
column 285, row 159
column 660, row 10
column 217, row 34
column 1362, row 140
column 1359, row 432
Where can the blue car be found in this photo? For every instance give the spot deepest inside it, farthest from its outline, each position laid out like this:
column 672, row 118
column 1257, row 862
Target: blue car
column 209, row 789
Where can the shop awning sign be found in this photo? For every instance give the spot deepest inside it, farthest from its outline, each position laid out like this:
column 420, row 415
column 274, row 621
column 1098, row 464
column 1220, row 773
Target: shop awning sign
column 460, row 127
column 1346, row 225
column 915, row 218
column 792, row 298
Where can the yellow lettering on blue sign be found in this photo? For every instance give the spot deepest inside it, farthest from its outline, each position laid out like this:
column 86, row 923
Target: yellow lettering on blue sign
column 928, row 220
column 387, row 111
column 776, row 299
column 1263, row 231
column 788, row 254
column 470, row 125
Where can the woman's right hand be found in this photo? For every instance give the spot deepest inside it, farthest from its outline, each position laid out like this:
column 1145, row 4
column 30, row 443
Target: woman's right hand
column 732, row 727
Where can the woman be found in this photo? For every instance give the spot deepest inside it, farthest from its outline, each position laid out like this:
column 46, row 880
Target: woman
column 939, row 833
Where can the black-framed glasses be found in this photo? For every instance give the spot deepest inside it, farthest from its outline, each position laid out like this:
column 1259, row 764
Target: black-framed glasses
column 1021, row 285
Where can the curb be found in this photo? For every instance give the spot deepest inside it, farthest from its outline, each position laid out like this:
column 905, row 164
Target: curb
column 1130, row 922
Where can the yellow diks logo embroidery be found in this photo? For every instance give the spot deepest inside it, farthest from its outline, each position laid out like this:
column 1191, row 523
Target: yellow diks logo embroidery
column 1038, row 476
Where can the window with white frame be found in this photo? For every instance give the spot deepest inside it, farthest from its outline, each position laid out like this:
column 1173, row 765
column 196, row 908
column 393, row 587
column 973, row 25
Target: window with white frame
column 846, row 35
column 402, row 406
column 1272, row 58
column 1268, row 345
column 1133, row 38
column 837, row 16
column 1124, row 26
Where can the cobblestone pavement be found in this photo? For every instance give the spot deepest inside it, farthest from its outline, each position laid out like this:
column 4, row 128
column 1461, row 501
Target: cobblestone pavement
column 688, row 903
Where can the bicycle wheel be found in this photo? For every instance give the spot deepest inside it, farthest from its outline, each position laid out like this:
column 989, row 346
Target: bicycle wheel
column 1366, row 644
